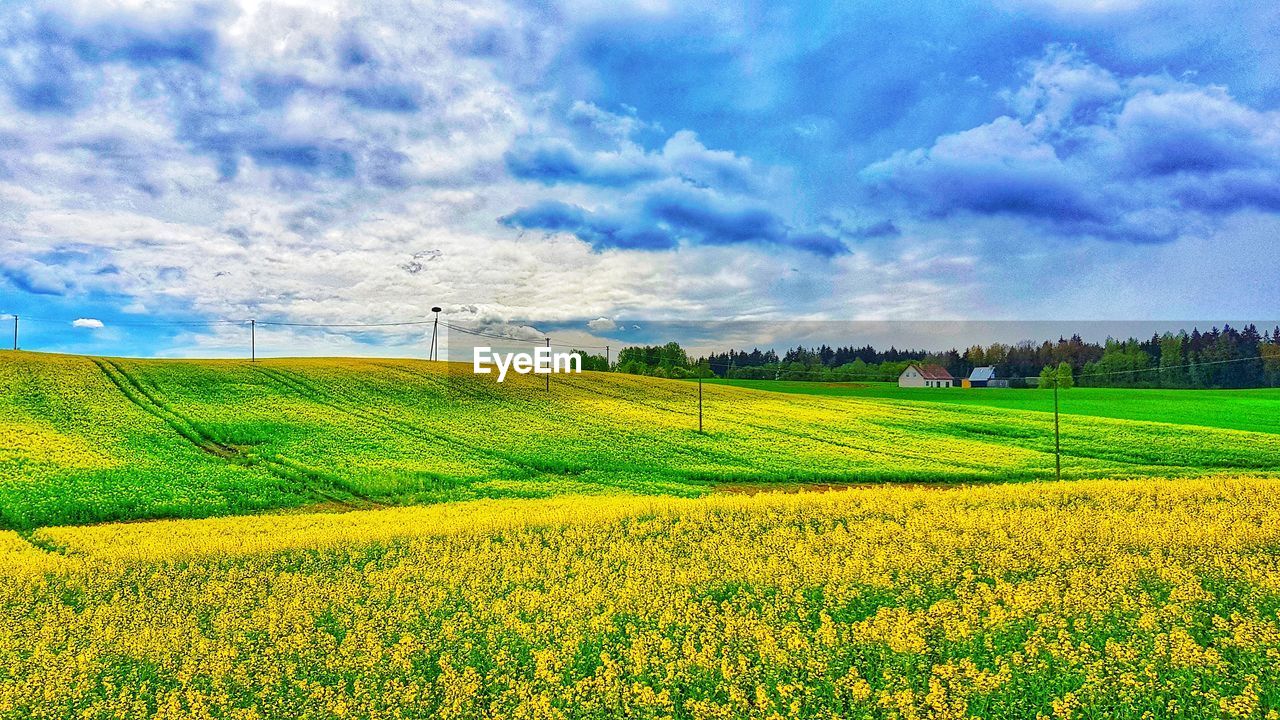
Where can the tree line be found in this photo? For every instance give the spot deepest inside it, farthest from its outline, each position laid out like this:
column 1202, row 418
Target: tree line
column 1218, row 358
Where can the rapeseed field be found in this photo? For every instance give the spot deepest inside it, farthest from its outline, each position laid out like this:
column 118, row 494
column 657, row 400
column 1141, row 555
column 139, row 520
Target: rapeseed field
column 1148, row 598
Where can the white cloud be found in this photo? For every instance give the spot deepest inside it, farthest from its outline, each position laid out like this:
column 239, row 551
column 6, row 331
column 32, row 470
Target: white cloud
column 614, row 125
column 602, row 324
column 91, row 323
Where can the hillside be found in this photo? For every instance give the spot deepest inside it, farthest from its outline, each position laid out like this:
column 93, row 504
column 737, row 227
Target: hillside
column 93, row 439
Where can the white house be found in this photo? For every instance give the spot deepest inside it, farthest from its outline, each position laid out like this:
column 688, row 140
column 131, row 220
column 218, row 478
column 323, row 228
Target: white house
column 926, row 376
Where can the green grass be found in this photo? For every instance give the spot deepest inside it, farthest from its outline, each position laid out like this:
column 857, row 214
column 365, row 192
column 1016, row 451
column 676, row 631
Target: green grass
column 1252, row 410
column 86, row 440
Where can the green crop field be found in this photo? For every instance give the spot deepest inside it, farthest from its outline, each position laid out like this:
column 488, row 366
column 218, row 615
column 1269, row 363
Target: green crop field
column 1254, row 410
column 96, row 439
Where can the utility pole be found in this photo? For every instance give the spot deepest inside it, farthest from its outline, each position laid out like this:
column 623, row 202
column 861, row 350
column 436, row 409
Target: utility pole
column 607, row 366
column 699, row 403
column 253, row 341
column 549, row 369
column 15, row 332
column 435, row 328
column 1057, row 437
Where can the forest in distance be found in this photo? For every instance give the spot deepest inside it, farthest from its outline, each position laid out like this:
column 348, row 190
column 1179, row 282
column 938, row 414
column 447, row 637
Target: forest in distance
column 1226, row 357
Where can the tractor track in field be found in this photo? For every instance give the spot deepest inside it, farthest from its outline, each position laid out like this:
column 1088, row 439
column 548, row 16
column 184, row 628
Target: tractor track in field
column 291, row 472
column 438, row 380
column 507, row 401
column 523, row 406
column 290, row 381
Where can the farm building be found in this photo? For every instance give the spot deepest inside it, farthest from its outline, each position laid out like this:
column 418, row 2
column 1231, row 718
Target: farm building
column 926, row 376
column 980, row 377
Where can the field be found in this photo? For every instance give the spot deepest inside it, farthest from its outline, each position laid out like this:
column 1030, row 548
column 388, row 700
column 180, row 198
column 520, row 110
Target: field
column 1255, row 410
column 341, row 538
column 87, row 440
column 1138, row 599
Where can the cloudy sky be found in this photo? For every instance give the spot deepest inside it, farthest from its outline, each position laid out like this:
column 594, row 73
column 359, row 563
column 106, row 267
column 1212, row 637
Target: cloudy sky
column 559, row 163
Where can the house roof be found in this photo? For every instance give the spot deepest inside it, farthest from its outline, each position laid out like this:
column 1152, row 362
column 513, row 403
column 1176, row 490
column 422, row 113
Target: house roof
column 933, row 372
column 983, row 374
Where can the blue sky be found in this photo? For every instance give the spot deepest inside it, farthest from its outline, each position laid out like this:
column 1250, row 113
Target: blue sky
column 561, row 163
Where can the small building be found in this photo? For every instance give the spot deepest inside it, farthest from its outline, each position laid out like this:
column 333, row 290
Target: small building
column 981, row 377
column 926, row 376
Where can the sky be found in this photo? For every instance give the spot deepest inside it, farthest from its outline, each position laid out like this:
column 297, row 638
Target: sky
column 590, row 169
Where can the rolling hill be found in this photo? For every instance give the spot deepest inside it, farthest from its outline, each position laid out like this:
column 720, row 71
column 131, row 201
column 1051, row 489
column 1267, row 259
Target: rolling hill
column 86, row 439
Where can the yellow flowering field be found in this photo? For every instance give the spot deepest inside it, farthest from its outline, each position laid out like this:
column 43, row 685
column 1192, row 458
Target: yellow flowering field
column 1146, row 598
column 86, row 439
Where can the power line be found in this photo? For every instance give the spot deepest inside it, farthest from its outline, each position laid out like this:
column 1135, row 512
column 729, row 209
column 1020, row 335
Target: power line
column 1171, row 367
column 344, row 325
column 226, row 321
column 158, row 323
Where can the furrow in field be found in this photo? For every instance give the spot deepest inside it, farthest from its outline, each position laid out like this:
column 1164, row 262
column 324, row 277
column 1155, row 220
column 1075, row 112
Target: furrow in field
column 555, row 412
column 587, row 388
column 136, row 393
column 472, row 390
column 598, row 425
column 291, row 381
column 535, row 416
column 139, row 396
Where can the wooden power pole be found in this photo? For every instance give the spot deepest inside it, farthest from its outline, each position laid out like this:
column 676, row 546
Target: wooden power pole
column 1057, row 436
column 699, row 403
